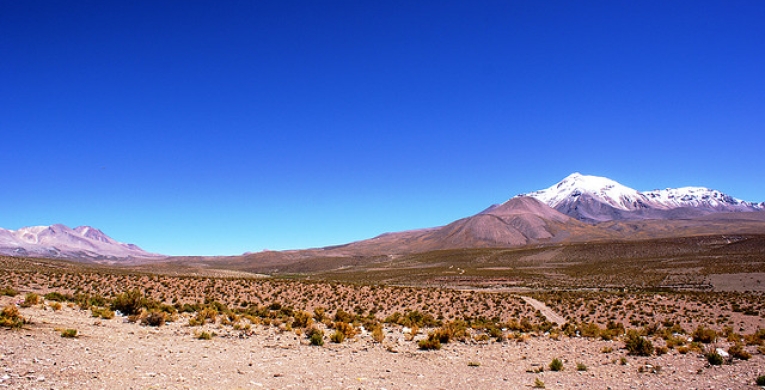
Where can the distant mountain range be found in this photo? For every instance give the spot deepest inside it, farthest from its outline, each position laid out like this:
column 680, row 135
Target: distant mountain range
column 597, row 199
column 580, row 208
column 59, row 241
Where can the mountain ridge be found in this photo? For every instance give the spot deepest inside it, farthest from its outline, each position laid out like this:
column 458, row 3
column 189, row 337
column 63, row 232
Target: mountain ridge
column 597, row 199
column 84, row 243
column 579, row 208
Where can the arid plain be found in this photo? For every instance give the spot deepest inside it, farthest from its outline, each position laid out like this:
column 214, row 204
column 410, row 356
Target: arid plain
column 665, row 313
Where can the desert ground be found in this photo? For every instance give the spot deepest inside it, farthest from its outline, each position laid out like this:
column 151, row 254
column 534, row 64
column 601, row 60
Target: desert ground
column 80, row 326
column 115, row 353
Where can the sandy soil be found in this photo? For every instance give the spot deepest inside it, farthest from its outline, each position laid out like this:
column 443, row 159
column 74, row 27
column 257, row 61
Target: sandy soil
column 753, row 281
column 115, row 354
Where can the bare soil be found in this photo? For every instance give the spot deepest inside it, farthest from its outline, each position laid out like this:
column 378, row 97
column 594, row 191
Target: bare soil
column 114, row 353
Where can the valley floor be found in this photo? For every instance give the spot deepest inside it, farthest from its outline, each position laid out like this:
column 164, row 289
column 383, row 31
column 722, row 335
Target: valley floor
column 116, row 354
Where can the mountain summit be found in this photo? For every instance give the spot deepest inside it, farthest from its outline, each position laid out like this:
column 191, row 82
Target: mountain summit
column 598, row 199
column 59, row 241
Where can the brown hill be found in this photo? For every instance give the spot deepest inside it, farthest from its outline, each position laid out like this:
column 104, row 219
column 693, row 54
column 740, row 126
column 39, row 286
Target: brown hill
column 517, row 222
column 520, row 222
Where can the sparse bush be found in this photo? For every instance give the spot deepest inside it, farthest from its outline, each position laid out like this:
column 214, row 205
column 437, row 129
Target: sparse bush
column 319, row 314
column 154, row 318
column 30, row 299
column 637, row 344
column 337, row 337
column 412, row 319
column 481, row 337
column 56, row 306
column 205, row 336
column 704, row 335
column 57, row 296
column 345, row 328
column 102, row 312
column 590, row 329
column 456, row 330
column 316, row 336
column 429, row 343
column 556, row 365
column 208, row 314
column 129, row 303
column 756, row 338
column 87, row 301
column 731, row 335
column 69, row 333
column 538, row 384
column 738, row 351
column 9, row 291
column 760, row 381
column 377, row 334
column 581, row 367
column 714, row 358
column 674, row 341
column 302, row 319
column 10, row 318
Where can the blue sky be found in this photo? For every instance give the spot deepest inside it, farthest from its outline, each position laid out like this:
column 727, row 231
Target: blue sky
column 215, row 128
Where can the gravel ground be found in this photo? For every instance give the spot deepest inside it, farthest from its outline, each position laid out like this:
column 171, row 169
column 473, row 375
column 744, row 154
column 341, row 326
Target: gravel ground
column 115, row 354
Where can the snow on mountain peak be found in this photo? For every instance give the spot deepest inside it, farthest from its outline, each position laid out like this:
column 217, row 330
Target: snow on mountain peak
column 601, row 188
column 697, row 197
column 569, row 195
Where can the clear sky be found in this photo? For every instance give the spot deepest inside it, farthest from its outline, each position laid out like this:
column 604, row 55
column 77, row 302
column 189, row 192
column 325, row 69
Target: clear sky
column 219, row 127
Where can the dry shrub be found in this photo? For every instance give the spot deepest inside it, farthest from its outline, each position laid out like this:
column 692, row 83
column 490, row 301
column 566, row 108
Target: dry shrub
column 154, row 318
column 377, row 333
column 556, row 365
column 432, row 342
column 345, row 328
column 704, row 335
column 205, row 335
column 10, row 318
column 756, row 338
column 637, row 344
column 9, row 291
column 714, row 358
column 302, row 319
column 129, row 303
column 203, row 316
column 30, row 299
column 589, row 329
column 316, row 336
column 738, row 351
column 675, row 341
column 337, row 337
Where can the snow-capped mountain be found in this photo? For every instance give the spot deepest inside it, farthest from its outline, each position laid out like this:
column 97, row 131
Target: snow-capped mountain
column 700, row 197
column 59, row 241
column 595, row 199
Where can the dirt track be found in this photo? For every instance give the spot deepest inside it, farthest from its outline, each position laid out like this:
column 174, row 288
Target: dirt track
column 546, row 311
